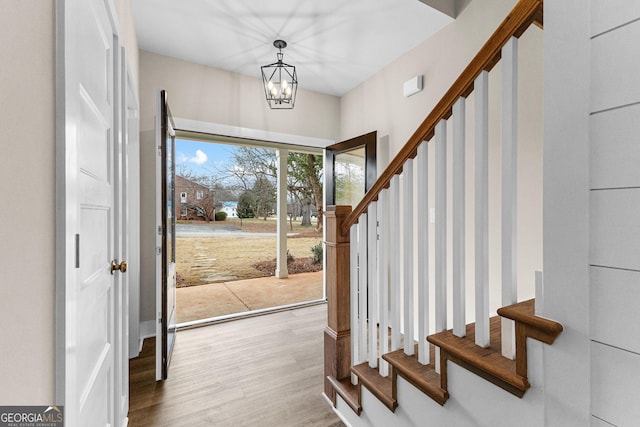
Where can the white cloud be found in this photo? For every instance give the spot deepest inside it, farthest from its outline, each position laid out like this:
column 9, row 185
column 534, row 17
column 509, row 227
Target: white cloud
column 181, row 158
column 199, row 158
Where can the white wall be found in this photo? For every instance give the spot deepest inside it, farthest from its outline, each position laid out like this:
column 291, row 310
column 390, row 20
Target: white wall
column 206, row 94
column 566, row 209
column 614, row 211
column 592, row 202
column 27, row 213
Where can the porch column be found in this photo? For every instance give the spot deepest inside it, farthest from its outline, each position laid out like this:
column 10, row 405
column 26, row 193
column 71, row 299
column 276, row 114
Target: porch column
column 337, row 335
column 281, row 262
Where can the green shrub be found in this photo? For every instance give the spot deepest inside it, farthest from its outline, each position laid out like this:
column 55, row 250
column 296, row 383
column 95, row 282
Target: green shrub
column 317, row 253
column 221, row 216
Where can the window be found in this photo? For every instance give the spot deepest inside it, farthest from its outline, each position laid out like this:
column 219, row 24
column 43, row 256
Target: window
column 199, row 194
column 183, row 212
column 183, row 197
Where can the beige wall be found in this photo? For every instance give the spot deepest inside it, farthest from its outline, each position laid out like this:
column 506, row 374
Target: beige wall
column 206, row 94
column 27, row 215
column 212, row 95
column 378, row 104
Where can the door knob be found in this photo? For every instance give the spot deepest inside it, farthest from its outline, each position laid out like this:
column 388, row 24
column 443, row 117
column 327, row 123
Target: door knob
column 115, row 266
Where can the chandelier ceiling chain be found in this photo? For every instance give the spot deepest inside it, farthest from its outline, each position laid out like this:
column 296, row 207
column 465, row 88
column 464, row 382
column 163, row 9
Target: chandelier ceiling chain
column 280, row 81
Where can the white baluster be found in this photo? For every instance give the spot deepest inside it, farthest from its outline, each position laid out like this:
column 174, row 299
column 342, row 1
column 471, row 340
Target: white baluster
column 509, row 189
column 423, row 252
column 481, row 93
column 441, row 225
column 441, row 231
column 372, row 257
column 356, row 358
column 383, row 277
column 458, row 218
column 394, row 265
column 407, row 255
column 362, row 275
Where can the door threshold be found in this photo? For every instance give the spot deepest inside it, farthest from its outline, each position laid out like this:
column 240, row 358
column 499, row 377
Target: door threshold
column 246, row 314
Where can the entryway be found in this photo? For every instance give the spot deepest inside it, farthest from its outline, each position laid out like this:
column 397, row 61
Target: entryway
column 259, row 371
column 246, row 241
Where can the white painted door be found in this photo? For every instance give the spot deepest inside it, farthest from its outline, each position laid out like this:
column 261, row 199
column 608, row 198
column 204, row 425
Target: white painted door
column 92, row 378
column 166, row 249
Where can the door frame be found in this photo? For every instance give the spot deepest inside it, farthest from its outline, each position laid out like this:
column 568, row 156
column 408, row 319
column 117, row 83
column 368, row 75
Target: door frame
column 132, row 134
column 369, row 142
column 166, row 281
column 189, row 128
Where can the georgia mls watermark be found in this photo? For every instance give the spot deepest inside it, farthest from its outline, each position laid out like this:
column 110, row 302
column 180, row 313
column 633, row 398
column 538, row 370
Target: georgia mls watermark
column 31, row 416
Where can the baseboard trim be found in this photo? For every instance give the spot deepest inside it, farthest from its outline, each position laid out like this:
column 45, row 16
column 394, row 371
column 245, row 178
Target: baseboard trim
column 335, row 410
column 147, row 330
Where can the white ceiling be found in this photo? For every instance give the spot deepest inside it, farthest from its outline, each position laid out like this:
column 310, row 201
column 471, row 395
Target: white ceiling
column 334, row 44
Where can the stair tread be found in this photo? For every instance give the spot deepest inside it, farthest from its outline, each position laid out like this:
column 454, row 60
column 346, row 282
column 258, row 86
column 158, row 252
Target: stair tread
column 524, row 312
column 485, row 362
column 423, row 377
column 348, row 392
column 381, row 387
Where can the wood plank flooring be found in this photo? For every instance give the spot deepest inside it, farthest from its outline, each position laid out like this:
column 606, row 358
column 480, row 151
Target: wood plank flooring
column 260, row 371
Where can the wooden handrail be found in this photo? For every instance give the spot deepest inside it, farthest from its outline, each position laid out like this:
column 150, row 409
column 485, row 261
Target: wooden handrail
column 525, row 13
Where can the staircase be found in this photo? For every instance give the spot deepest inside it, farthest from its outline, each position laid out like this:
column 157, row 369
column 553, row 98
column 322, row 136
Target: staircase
column 488, row 363
column 375, row 334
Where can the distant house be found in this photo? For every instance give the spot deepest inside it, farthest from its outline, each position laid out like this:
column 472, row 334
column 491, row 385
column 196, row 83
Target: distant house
column 230, row 208
column 193, row 200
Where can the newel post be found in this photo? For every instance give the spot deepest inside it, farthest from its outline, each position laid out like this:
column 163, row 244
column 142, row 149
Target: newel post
column 337, row 335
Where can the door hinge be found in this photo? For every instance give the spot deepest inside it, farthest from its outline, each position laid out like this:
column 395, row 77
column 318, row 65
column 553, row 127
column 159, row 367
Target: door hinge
column 158, row 250
column 159, row 151
column 159, row 230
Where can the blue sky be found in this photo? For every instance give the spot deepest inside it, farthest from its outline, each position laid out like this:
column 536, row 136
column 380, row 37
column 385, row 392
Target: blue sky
column 202, row 158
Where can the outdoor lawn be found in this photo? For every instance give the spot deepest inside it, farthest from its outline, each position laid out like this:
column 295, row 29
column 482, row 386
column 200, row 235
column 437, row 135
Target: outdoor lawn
column 211, row 259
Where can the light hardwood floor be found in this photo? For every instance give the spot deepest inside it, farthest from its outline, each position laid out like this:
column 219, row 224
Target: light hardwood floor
column 261, row 371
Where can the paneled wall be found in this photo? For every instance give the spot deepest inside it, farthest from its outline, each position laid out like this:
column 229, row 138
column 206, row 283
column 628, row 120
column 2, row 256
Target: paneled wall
column 614, row 255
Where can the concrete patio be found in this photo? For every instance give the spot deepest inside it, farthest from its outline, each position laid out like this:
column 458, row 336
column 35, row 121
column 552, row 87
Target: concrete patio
column 219, row 299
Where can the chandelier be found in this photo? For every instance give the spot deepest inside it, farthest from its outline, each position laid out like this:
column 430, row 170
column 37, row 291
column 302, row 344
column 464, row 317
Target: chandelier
column 280, row 81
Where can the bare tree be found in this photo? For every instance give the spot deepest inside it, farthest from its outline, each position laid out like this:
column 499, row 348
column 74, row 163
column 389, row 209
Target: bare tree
column 304, row 176
column 253, row 163
column 305, row 181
